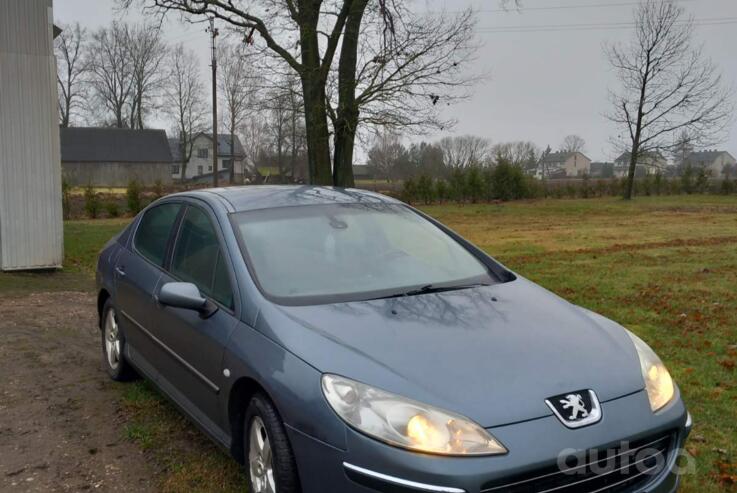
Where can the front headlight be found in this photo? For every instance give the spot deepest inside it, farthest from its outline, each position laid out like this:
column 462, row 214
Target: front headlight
column 659, row 384
column 406, row 423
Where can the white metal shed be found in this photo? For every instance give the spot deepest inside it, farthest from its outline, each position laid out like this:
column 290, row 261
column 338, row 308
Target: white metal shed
column 31, row 226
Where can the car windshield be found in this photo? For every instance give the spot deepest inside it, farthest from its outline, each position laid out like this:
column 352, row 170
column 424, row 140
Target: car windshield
column 347, row 252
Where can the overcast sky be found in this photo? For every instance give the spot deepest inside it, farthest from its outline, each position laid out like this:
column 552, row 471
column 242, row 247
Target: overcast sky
column 549, row 77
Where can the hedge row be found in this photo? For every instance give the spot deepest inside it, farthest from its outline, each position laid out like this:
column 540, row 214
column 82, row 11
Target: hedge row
column 506, row 182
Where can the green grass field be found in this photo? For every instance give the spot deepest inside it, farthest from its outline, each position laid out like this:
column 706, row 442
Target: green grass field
column 665, row 267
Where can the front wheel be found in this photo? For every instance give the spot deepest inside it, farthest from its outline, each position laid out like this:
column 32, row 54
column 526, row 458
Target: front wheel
column 270, row 464
column 113, row 346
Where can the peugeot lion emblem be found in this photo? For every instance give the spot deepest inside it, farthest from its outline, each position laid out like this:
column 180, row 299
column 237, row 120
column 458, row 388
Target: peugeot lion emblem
column 576, row 409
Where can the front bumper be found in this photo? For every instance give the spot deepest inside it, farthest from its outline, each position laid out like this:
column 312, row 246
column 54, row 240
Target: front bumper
column 367, row 465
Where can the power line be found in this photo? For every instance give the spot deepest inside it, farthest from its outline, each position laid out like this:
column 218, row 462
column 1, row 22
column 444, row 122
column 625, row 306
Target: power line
column 549, row 8
column 594, row 26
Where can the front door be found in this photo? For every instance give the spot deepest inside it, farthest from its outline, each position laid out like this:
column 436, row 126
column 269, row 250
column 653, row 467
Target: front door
column 138, row 270
column 193, row 366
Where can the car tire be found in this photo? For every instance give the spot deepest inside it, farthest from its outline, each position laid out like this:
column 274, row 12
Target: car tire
column 113, row 346
column 262, row 424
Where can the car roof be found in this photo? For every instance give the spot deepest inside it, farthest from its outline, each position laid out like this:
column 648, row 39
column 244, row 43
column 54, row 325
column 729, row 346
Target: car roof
column 253, row 197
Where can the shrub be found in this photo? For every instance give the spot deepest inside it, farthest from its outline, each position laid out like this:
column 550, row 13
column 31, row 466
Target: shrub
column 658, row 183
column 647, row 185
column 687, row 180
column 601, row 188
column 702, row 181
column 475, row 186
column 66, row 199
column 133, row 196
column 91, row 202
column 425, row 190
column 159, row 189
column 441, row 191
column 409, row 191
column 457, row 185
column 728, row 186
column 112, row 209
column 508, row 181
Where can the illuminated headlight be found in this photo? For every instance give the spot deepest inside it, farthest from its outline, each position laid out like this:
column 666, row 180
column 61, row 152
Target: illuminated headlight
column 659, row 384
column 406, row 423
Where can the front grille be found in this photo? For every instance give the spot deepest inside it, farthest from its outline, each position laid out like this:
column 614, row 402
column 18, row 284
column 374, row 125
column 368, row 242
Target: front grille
column 600, row 471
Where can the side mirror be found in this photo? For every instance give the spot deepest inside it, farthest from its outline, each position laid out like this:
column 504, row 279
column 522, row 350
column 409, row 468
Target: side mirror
column 186, row 295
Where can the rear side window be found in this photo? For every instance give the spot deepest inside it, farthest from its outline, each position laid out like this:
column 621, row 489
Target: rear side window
column 198, row 258
column 153, row 233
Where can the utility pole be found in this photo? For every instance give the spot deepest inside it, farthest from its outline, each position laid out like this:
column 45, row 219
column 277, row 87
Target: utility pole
column 213, row 34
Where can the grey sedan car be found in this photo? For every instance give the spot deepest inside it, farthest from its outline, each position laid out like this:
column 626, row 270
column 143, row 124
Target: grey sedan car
column 336, row 340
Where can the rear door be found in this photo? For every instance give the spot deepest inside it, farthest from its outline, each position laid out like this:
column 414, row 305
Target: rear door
column 138, row 270
column 193, row 366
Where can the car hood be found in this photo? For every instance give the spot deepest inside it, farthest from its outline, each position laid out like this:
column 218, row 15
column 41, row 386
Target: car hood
column 493, row 354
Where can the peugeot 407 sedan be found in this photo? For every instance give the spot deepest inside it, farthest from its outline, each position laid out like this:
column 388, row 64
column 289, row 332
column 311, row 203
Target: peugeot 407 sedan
column 337, row 340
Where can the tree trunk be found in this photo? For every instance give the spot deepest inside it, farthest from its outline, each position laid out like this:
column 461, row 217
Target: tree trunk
column 184, row 159
column 293, row 163
column 629, row 191
column 313, row 88
column 232, row 149
column 140, row 115
column 318, row 139
column 348, row 112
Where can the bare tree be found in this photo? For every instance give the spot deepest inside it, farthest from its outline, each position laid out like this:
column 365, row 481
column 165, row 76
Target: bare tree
column 255, row 134
column 146, row 52
column 237, row 88
column 682, row 147
column 111, row 72
column 277, row 106
column 524, row 154
column 402, row 85
column 184, row 101
column 573, row 143
column 71, row 66
column 304, row 34
column 387, row 156
column 465, row 151
column 667, row 86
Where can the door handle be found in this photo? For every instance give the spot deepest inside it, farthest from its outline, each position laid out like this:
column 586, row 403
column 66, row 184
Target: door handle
column 120, row 271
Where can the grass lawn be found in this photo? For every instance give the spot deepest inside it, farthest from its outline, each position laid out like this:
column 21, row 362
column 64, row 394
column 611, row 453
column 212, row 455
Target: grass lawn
column 665, row 267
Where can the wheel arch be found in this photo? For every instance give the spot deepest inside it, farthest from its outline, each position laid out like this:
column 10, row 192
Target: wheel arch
column 102, row 298
column 240, row 395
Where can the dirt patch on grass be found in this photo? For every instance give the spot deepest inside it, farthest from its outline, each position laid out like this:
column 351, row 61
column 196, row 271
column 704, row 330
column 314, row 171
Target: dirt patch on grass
column 60, row 415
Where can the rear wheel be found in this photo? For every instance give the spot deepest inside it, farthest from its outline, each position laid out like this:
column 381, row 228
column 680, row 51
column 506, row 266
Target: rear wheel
column 270, row 462
column 113, row 346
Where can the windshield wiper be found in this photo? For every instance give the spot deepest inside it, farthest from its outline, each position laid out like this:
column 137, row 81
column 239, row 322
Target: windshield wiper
column 431, row 288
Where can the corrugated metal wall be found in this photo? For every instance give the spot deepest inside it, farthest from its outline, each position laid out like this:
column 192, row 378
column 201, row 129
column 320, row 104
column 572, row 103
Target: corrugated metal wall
column 31, row 227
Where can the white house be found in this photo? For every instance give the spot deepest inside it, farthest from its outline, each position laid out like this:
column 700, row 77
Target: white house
column 565, row 165
column 31, row 227
column 716, row 163
column 230, row 153
column 648, row 163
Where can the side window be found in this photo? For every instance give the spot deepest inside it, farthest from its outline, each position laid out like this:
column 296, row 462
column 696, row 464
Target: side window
column 198, row 258
column 153, row 232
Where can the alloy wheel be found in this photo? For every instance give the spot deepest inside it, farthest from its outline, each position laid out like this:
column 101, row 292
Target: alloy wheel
column 112, row 340
column 260, row 458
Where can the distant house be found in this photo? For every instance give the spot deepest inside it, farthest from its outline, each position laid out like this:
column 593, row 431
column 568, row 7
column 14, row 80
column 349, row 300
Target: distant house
column 112, row 157
column 602, row 170
column 565, row 165
column 362, row 172
column 648, row 163
column 200, row 164
column 716, row 163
